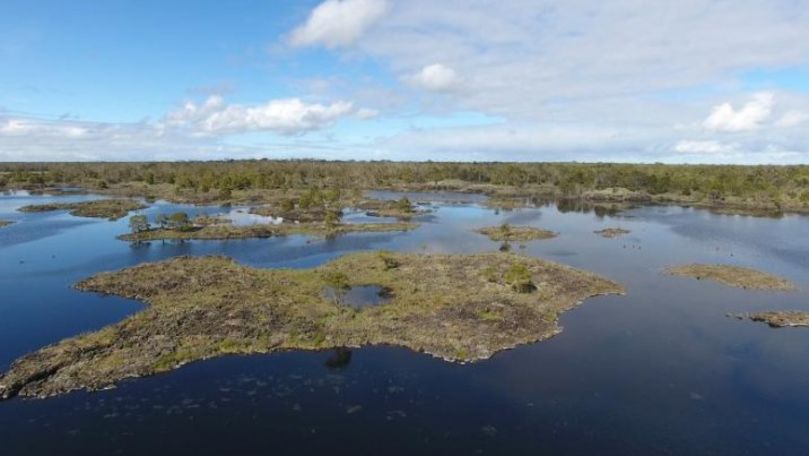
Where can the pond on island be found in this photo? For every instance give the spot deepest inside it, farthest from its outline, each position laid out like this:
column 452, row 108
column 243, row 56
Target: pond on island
column 358, row 296
column 659, row 370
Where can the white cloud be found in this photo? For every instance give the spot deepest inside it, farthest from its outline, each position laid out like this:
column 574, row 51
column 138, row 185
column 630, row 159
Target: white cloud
column 517, row 56
column 336, row 23
column 750, row 117
column 436, row 77
column 792, row 119
column 703, row 147
column 27, row 127
column 284, row 116
column 195, row 130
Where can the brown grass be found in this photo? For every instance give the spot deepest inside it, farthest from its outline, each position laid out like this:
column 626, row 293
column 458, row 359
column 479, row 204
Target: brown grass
column 733, row 276
column 780, row 319
column 456, row 307
column 112, row 209
column 516, row 233
column 264, row 230
column 610, row 233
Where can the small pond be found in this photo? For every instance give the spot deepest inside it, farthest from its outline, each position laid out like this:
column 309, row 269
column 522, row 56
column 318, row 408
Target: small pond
column 358, row 296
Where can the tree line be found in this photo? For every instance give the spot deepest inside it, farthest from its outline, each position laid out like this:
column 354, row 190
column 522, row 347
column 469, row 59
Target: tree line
column 566, row 178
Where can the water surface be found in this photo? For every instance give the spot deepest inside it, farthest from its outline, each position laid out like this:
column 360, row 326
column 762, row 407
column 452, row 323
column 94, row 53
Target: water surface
column 660, row 370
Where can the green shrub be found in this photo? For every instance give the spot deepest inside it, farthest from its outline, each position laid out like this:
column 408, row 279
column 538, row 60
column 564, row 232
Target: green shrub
column 519, row 277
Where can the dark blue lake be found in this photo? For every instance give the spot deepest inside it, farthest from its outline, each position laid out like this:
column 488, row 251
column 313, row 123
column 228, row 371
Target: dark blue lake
column 660, row 370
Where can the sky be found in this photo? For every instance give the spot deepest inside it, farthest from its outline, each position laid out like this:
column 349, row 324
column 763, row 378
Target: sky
column 672, row 81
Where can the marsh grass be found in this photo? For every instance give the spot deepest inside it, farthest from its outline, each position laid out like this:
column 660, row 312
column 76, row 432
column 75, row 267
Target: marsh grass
column 733, row 276
column 780, row 319
column 225, row 231
column 611, row 233
column 112, row 209
column 460, row 308
column 510, row 233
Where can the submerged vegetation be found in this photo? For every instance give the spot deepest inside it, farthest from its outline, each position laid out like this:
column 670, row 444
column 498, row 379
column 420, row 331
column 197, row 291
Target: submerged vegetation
column 771, row 189
column 211, row 306
column 509, row 233
column 112, row 209
column 611, row 233
column 733, row 276
column 779, row 319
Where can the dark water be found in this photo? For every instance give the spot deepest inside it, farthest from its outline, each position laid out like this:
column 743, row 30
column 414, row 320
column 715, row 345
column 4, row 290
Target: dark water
column 661, row 370
column 358, row 297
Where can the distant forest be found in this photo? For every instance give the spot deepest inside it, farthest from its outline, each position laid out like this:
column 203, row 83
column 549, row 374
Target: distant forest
column 765, row 186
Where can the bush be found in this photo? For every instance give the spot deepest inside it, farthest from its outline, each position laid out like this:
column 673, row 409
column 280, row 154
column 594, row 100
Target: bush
column 336, row 280
column 388, row 261
column 519, row 277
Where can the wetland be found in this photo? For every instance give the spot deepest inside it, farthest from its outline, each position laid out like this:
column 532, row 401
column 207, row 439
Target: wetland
column 428, row 331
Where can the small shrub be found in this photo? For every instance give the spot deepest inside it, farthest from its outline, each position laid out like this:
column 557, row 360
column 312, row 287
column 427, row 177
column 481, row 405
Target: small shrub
column 388, row 261
column 336, row 280
column 519, row 277
column 491, row 274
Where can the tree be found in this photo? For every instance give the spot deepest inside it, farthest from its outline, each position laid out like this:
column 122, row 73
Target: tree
column 179, row 221
column 162, row 220
column 338, row 283
column 404, row 205
column 138, row 223
column 332, row 219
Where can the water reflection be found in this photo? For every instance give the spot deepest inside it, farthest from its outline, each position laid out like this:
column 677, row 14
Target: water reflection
column 358, row 296
column 660, row 370
column 340, row 358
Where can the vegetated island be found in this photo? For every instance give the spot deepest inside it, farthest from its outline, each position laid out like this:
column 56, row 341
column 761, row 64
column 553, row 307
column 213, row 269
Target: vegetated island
column 204, row 307
column 510, row 233
column 303, row 210
column 224, row 231
column 779, row 318
column 5, row 223
column 733, row 276
column 401, row 209
column 112, row 209
column 611, row 233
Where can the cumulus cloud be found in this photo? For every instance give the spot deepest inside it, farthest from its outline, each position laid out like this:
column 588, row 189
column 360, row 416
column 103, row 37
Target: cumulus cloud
column 337, row 23
column 436, row 77
column 749, row 117
column 703, row 147
column 195, row 130
column 792, row 119
column 284, row 116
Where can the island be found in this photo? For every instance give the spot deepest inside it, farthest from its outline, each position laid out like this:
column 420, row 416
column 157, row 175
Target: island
column 734, row 276
column 509, row 233
column 779, row 318
column 112, row 209
column 611, row 233
column 203, row 307
column 223, row 231
column 5, row 223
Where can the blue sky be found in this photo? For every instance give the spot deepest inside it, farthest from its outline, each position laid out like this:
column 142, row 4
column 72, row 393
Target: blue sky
column 527, row 80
